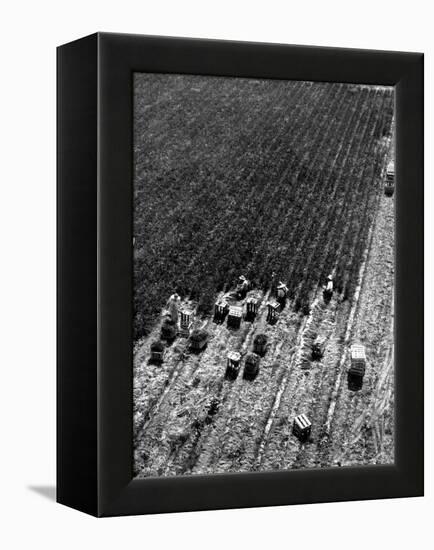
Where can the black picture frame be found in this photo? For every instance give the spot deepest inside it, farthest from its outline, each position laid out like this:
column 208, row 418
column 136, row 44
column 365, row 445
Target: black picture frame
column 94, row 198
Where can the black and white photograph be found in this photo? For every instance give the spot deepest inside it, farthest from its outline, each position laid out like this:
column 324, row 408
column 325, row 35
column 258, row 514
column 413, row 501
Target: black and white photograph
column 217, row 249
column 263, row 254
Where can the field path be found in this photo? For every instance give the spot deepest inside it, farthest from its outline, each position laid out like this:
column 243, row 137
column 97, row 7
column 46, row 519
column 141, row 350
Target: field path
column 362, row 429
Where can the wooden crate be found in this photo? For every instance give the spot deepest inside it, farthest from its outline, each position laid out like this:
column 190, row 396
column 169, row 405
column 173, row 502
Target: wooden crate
column 356, row 372
column 198, row 340
column 260, row 344
column 233, row 365
column 157, row 356
column 389, row 185
column 221, row 309
column 251, row 367
column 358, row 355
column 157, row 352
column 273, row 309
column 185, row 323
column 302, row 427
column 234, row 316
column 389, row 189
column 251, row 308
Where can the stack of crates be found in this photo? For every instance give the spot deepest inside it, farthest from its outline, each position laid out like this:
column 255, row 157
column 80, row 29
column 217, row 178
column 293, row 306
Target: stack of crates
column 234, row 316
column 185, row 322
column 389, row 186
column 221, row 309
column 357, row 368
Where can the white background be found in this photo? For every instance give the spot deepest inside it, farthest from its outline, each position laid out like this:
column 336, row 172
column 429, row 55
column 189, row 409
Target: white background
column 30, row 31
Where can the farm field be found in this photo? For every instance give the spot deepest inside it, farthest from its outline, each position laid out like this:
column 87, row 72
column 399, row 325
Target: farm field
column 276, row 181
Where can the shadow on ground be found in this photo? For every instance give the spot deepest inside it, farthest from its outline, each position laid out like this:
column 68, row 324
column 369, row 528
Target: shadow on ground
column 47, row 491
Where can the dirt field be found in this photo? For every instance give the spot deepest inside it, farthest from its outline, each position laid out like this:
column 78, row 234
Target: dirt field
column 189, row 419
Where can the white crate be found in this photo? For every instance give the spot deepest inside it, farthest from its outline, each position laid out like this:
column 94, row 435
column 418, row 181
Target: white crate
column 235, row 311
column 302, row 422
column 358, row 353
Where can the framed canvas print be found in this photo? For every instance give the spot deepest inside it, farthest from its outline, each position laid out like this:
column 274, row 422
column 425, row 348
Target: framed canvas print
column 240, row 274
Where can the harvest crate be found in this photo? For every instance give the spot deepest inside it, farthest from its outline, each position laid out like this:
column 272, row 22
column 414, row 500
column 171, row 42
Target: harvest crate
column 233, row 365
column 251, row 366
column 221, row 309
column 302, row 427
column 198, row 340
column 357, row 368
column 234, row 316
column 251, row 308
column 185, row 322
column 259, row 344
column 358, row 355
column 157, row 352
column 273, row 311
column 389, row 185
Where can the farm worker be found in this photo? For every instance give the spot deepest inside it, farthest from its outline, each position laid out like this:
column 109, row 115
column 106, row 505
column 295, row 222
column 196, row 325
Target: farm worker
column 243, row 284
column 329, row 286
column 172, row 306
column 282, row 290
column 244, row 281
